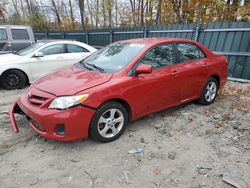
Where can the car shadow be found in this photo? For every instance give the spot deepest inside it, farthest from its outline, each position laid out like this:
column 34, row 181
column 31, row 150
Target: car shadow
column 134, row 124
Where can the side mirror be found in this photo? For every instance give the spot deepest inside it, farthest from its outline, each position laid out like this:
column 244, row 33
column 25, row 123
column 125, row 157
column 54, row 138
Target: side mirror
column 38, row 54
column 143, row 69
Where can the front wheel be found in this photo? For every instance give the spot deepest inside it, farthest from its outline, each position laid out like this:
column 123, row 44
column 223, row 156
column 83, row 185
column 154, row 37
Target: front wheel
column 209, row 92
column 109, row 122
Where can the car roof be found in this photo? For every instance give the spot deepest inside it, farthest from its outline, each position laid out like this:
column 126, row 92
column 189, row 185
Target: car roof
column 65, row 41
column 152, row 41
column 54, row 40
column 59, row 41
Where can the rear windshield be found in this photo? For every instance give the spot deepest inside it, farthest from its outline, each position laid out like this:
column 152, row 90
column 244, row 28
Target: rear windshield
column 114, row 57
column 3, row 34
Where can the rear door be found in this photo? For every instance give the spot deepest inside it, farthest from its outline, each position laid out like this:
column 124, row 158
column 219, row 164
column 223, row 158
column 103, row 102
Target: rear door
column 52, row 60
column 160, row 89
column 192, row 70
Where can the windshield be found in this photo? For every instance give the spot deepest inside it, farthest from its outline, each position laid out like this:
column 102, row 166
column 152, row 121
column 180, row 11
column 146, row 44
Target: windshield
column 30, row 49
column 113, row 57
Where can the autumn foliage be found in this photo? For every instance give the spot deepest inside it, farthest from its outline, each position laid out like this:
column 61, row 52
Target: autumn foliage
column 88, row 14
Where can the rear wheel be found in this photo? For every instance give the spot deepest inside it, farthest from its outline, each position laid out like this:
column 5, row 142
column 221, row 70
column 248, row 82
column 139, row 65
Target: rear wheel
column 109, row 122
column 209, row 92
column 13, row 79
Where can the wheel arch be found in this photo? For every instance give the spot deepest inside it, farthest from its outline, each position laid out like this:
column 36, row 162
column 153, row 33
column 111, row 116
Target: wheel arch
column 118, row 100
column 26, row 75
column 217, row 77
column 122, row 102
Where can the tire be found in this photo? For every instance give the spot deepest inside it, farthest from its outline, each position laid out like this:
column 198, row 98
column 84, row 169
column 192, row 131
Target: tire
column 106, row 128
column 209, row 92
column 13, row 79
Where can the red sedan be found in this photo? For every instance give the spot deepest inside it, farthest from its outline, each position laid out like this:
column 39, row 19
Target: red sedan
column 122, row 82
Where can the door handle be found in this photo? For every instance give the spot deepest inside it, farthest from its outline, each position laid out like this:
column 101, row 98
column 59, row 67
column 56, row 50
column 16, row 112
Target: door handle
column 205, row 64
column 60, row 58
column 174, row 72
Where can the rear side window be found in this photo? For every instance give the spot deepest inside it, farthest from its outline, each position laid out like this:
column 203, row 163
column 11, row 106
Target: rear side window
column 72, row 48
column 20, row 34
column 188, row 52
column 53, row 49
column 3, row 34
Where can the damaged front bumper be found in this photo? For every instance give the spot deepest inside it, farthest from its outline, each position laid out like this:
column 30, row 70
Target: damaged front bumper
column 64, row 125
column 14, row 109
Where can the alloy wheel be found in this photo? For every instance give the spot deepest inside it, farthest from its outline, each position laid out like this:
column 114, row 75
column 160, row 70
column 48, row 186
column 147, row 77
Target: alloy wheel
column 110, row 123
column 210, row 91
column 12, row 79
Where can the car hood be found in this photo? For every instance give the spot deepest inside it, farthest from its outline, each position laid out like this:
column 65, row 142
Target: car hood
column 10, row 58
column 70, row 81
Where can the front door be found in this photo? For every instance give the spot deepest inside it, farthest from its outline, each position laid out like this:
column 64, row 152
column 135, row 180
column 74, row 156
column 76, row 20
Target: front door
column 53, row 59
column 160, row 89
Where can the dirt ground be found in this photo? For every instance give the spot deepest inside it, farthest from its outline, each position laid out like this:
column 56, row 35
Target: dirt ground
column 188, row 146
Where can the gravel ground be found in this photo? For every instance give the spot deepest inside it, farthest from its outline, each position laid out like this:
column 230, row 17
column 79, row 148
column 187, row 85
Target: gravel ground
column 188, row 146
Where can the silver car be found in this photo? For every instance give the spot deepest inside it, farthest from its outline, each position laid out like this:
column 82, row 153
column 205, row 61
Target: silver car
column 15, row 37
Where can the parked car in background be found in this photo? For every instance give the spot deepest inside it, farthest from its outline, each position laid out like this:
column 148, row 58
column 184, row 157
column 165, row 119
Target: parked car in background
column 43, row 57
column 15, row 37
column 123, row 81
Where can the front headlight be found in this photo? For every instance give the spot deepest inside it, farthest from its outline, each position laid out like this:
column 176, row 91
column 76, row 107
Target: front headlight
column 65, row 102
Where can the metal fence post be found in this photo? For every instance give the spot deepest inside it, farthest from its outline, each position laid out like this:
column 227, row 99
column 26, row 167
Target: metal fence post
column 87, row 37
column 196, row 32
column 145, row 32
column 63, row 35
column 110, row 36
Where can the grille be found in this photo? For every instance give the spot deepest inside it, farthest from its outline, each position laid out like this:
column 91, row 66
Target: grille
column 37, row 100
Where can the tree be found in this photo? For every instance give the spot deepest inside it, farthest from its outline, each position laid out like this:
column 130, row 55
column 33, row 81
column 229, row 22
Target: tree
column 177, row 9
column 55, row 9
column 29, row 6
column 2, row 11
column 133, row 6
column 37, row 21
column 15, row 5
column 71, row 13
column 97, row 14
column 82, row 12
column 159, row 13
column 140, row 12
column 103, row 10
column 109, row 9
column 120, row 13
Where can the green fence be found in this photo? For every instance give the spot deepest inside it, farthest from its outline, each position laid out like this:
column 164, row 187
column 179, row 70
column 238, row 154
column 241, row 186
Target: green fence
column 230, row 39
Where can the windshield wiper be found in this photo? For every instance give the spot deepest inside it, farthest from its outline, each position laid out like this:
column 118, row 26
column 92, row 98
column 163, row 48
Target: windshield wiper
column 96, row 67
column 80, row 65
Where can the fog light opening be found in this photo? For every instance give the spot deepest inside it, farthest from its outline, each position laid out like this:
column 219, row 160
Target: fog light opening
column 60, row 129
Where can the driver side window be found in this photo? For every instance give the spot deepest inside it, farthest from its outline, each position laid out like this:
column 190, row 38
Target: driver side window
column 159, row 56
column 53, row 49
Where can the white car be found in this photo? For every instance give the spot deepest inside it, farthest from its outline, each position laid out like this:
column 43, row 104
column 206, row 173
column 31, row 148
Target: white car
column 39, row 59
